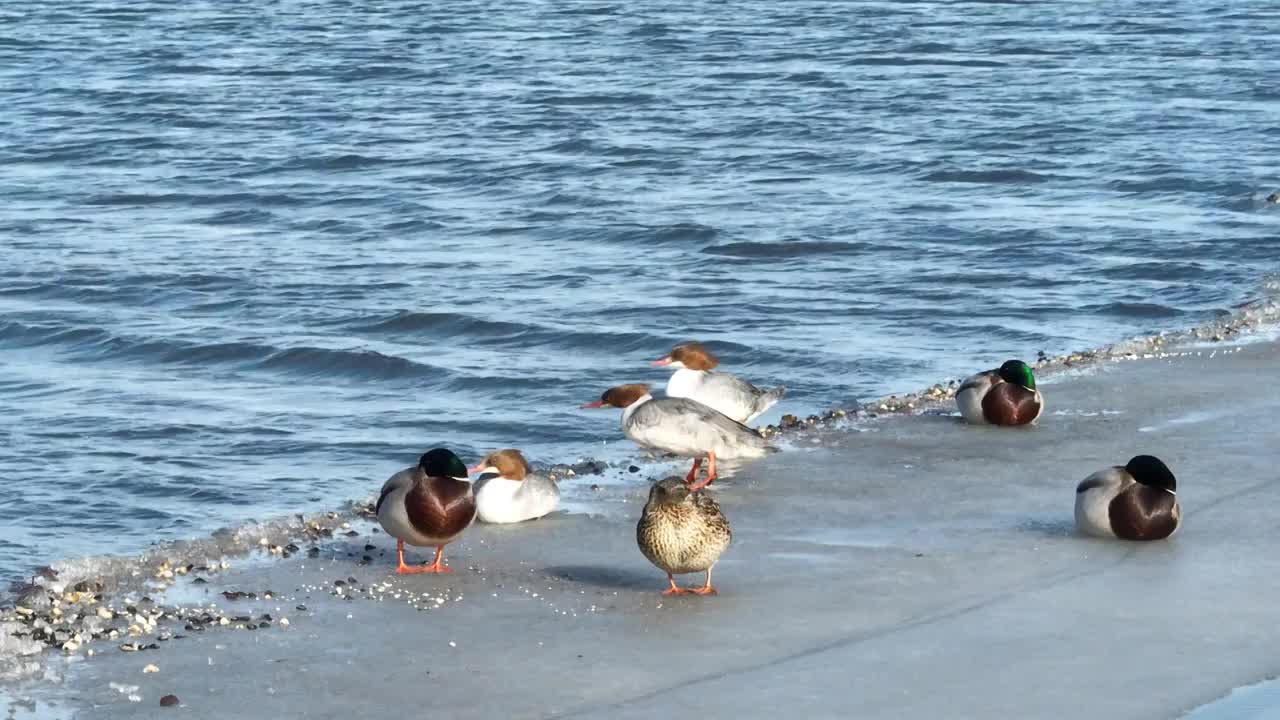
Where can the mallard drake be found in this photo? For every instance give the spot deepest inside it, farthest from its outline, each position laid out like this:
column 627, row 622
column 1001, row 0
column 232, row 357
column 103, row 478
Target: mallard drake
column 508, row 492
column 682, row 531
column 429, row 504
column 1137, row 501
column 1004, row 396
column 693, row 378
column 683, row 427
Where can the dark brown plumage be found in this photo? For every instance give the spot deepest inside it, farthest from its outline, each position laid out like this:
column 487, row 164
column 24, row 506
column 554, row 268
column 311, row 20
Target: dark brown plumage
column 1010, row 404
column 429, row 504
column 1141, row 512
column 1136, row 501
column 440, row 507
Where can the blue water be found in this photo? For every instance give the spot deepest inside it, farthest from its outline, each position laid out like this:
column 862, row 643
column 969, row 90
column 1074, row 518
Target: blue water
column 257, row 256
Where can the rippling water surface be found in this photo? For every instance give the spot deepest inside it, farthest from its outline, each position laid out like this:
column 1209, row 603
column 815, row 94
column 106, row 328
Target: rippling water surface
column 257, row 256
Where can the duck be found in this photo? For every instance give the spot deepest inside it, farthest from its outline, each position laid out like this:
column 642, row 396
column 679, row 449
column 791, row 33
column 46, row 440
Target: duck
column 682, row 530
column 682, row 427
column 507, row 492
column 693, row 378
column 1006, row 395
column 426, row 505
column 1136, row 501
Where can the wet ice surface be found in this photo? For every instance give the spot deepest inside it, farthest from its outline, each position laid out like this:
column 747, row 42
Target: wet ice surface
column 920, row 568
column 1253, row 702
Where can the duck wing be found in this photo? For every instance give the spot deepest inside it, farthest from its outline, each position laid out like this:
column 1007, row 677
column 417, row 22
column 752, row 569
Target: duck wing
column 979, row 380
column 399, row 480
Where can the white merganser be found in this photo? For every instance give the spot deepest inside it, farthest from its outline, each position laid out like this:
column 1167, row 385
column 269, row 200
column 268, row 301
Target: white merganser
column 726, row 392
column 682, row 427
column 508, row 493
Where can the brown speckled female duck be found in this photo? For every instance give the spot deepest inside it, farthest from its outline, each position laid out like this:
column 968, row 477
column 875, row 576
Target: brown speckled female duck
column 1004, row 396
column 682, row 531
column 427, row 505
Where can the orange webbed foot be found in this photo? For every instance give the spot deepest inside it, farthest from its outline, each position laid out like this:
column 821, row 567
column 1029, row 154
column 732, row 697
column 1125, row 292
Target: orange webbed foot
column 415, row 569
column 674, row 589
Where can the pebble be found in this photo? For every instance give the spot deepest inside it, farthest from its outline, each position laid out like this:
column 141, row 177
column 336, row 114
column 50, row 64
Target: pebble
column 169, row 701
column 151, row 669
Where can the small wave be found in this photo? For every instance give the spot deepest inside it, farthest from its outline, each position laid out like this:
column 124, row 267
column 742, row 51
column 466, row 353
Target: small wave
column 194, row 199
column 239, row 217
column 814, row 79
column 989, row 177
column 649, row 30
column 742, row 75
column 442, row 324
column 345, row 161
column 901, row 60
column 314, row 361
column 165, row 431
column 929, row 47
column 595, row 99
column 1135, row 310
column 1167, row 183
column 100, row 344
column 1155, row 271
column 594, row 10
column 788, row 249
column 678, row 233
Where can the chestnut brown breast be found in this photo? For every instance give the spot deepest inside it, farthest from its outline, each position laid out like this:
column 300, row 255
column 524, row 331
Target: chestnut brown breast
column 440, row 507
column 1009, row 404
column 1143, row 513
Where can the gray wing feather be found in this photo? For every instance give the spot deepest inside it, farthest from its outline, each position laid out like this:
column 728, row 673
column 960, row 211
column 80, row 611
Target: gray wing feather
column 978, row 380
column 693, row 425
column 400, row 479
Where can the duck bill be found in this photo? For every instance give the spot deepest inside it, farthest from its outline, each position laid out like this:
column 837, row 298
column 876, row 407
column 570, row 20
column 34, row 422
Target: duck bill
column 591, row 405
column 476, row 469
column 663, row 362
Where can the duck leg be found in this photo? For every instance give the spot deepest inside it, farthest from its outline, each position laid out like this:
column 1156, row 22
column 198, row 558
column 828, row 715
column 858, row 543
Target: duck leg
column 674, row 589
column 706, row 589
column 711, row 472
column 435, row 567
column 403, row 569
column 438, row 566
column 693, row 474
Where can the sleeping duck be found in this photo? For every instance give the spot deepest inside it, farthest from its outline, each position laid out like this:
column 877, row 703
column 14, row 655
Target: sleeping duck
column 509, row 493
column 682, row 531
column 1138, row 501
column 429, row 504
column 1004, row 396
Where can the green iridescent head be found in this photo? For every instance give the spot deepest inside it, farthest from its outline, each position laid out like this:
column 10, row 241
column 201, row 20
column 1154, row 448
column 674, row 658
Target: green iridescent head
column 1018, row 373
column 442, row 463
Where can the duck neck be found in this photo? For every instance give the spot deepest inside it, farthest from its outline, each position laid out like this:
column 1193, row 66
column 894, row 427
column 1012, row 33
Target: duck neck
column 497, row 489
column 684, row 382
column 628, row 410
